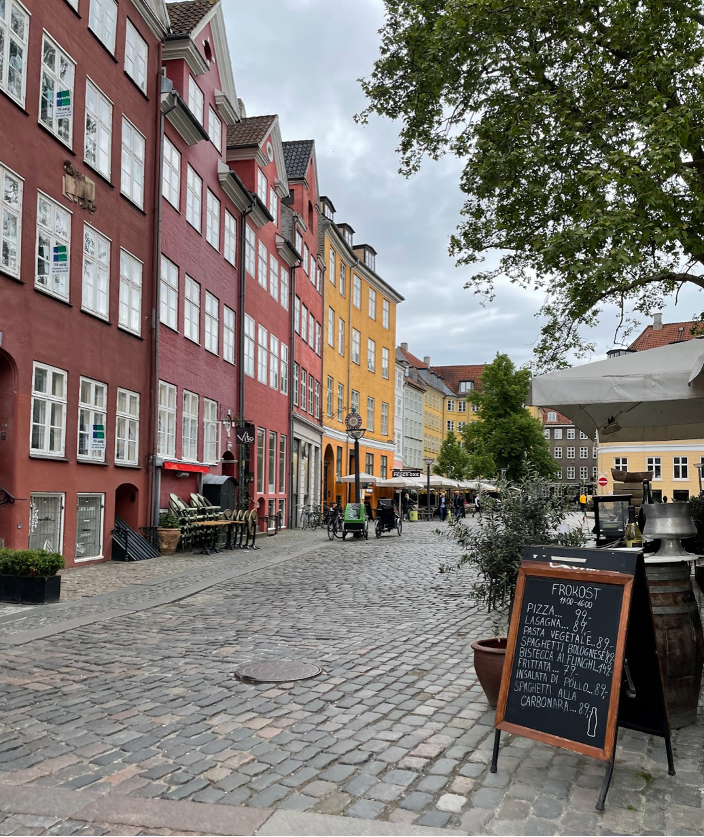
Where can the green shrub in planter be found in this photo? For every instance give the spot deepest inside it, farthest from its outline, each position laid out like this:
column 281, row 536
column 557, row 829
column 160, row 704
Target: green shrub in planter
column 168, row 520
column 30, row 562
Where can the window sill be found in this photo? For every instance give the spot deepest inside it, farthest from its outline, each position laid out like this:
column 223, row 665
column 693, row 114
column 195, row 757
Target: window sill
column 45, row 292
column 127, row 465
column 105, row 179
column 92, row 558
column 45, row 456
column 15, row 102
column 131, row 333
column 81, row 461
column 8, row 275
column 96, row 316
column 57, row 138
column 136, row 85
column 175, row 208
column 133, row 204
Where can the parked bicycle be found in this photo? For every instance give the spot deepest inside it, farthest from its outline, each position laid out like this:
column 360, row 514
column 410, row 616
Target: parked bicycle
column 310, row 516
column 334, row 518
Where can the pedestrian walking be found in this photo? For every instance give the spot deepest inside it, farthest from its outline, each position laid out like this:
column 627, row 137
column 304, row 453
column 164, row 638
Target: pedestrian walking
column 405, row 504
column 477, row 505
column 443, row 507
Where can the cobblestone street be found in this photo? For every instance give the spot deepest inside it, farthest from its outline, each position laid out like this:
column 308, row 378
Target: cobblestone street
column 120, row 711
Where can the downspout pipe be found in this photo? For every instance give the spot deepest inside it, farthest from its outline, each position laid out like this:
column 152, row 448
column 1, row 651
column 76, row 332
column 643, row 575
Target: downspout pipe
column 292, row 351
column 242, row 451
column 166, row 93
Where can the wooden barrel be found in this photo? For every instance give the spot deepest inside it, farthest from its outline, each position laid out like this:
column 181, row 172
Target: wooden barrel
column 678, row 628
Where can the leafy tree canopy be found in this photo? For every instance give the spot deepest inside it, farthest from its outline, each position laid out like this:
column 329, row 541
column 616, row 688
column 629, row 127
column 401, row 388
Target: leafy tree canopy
column 581, row 126
column 505, row 436
column 453, row 459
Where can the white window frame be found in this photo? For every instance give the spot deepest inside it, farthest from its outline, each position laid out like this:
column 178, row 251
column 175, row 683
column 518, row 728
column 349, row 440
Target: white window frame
column 168, row 294
column 329, row 396
column 284, row 368
column 304, row 323
column 680, row 468
column 132, row 168
column 230, row 242
column 372, row 304
column 262, row 264
column 274, row 207
column 273, row 277
column 557, row 452
column 450, row 425
column 262, row 354
column 12, row 37
column 356, row 291
column 304, row 390
column 130, row 314
column 60, row 126
column 56, row 233
column 262, row 186
column 297, row 315
column 212, row 223
column 584, row 472
column 228, row 334
column 171, row 174
column 462, row 407
column 274, row 362
column 331, row 328
column 384, row 418
column 194, row 198
column 571, row 472
column 371, row 355
column 570, row 433
column 296, row 370
column 571, row 453
column 212, row 323
column 306, row 260
column 210, row 431
column 102, row 21
column 95, row 406
column 136, row 56
column 95, row 291
column 340, row 401
column 191, row 310
column 196, row 99
column 100, row 521
column 385, row 363
column 621, row 463
column 54, row 406
column 341, row 337
column 332, row 266
column 284, row 285
column 100, row 114
column 11, row 202
column 249, row 338
column 584, row 453
column 386, row 311
column 654, row 464
column 557, row 433
column 189, row 426
column 215, row 129
column 127, row 427
column 552, row 416
column 166, row 431
column 250, row 251
column 371, row 409
column 356, row 348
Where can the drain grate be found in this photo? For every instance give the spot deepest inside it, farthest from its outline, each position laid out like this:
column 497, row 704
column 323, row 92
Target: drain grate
column 277, row 671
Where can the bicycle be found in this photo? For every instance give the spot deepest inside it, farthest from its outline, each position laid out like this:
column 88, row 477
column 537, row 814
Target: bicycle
column 334, row 522
column 310, row 517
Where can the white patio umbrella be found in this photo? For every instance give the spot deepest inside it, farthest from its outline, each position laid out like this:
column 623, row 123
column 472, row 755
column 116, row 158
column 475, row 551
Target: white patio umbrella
column 440, row 482
column 363, row 477
column 401, row 482
column 478, row 485
column 653, row 395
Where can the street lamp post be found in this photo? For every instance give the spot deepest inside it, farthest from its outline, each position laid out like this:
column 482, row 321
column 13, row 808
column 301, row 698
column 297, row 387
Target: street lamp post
column 428, row 461
column 353, row 423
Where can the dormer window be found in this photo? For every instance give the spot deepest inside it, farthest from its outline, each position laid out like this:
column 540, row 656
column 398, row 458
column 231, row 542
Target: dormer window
column 195, row 99
column 370, row 259
column 466, row 386
column 552, row 416
column 261, row 186
column 327, row 208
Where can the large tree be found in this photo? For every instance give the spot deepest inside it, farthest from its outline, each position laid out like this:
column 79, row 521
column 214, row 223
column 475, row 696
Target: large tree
column 453, row 459
column 581, row 128
column 505, row 436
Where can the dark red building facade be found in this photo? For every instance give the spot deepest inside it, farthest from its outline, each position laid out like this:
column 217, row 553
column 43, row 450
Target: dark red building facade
column 78, row 170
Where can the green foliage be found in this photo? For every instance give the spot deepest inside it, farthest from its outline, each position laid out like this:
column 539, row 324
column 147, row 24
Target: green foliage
column 30, row 562
column 505, row 436
column 453, row 459
column 168, row 520
column 530, row 512
column 581, row 130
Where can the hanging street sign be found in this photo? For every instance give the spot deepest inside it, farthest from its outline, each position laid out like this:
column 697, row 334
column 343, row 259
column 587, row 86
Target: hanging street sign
column 409, row 473
column 245, row 434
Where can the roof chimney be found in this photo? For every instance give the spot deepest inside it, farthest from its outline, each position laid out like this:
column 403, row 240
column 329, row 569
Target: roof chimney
column 426, row 360
column 657, row 322
column 404, row 346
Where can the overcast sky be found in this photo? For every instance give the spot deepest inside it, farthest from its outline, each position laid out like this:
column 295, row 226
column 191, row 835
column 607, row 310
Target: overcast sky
column 301, row 59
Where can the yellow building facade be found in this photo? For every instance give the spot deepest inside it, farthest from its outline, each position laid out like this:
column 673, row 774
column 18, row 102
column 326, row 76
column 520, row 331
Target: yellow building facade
column 359, row 310
column 673, row 464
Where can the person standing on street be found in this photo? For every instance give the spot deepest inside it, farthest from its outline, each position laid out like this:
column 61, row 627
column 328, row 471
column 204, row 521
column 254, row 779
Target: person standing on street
column 443, row 507
column 405, row 502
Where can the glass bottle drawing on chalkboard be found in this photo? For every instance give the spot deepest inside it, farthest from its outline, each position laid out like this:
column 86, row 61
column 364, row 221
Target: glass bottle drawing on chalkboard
column 591, row 723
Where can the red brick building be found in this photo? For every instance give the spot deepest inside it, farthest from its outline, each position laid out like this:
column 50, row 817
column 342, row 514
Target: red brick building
column 78, row 168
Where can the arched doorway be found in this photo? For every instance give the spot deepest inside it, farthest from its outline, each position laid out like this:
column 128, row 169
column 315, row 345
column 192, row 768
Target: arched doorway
column 329, row 474
column 228, row 464
column 127, row 504
column 8, row 423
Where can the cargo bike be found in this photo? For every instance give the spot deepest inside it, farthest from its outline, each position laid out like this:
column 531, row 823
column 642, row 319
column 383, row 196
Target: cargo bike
column 355, row 521
column 387, row 518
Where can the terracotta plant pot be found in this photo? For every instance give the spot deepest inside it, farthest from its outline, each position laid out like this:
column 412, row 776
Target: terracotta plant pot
column 489, row 656
column 168, row 540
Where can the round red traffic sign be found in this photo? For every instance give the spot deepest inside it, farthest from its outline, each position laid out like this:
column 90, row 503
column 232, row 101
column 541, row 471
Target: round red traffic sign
column 603, row 482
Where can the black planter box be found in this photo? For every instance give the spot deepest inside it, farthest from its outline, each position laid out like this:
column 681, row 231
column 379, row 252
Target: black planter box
column 30, row 590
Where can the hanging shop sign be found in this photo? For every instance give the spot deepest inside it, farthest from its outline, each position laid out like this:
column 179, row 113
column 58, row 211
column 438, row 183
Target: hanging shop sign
column 245, row 434
column 582, row 656
column 407, row 473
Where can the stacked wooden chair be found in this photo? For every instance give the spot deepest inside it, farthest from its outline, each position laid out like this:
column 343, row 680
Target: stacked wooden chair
column 187, row 516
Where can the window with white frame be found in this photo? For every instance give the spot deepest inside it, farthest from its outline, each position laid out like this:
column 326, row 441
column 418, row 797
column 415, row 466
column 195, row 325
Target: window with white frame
column 558, row 433
column 228, row 334
column 273, row 362
column 230, row 251
column 262, row 355
column 284, row 368
column 355, row 346
column 282, row 473
column 343, row 278
column 357, row 291
column 385, row 364
column 273, row 277
column 14, row 37
column 89, row 526
column 212, row 224
column 341, row 336
column 306, row 259
column 171, row 174
column 584, row 453
column 372, row 304
column 169, row 294
column 311, row 397
column 96, row 272
column 127, row 428
column 136, row 57
column 583, row 435
column 340, row 401
column 11, row 191
column 303, row 389
column 98, row 134
column 271, row 483
column 317, row 399
column 621, row 463
column 250, row 250
column 295, row 384
column 546, row 433
column 53, row 247
column 461, row 424
column 370, row 414
column 450, row 405
column 195, row 99
column 261, row 436
column 249, row 345
column 103, row 21
column 570, row 472
column 450, row 425
column 189, row 424
column 385, row 313
column 570, row 433
column 583, row 472
column 212, row 320
column 210, row 431
column 92, row 413
column 654, row 465
column 274, row 206
column 130, row 316
column 304, row 323
column 552, row 416
column 595, row 471
column 557, row 452
column 371, row 355
column 298, row 242
column 283, row 296
column 680, row 467
column 57, row 81
column 261, row 186
column 595, row 452
column 133, row 145
column 570, row 453
column 462, row 408
column 263, row 266
column 384, row 418
column 166, row 429
column 312, row 273
column 311, row 331
column 331, row 328
column 297, row 315
column 354, row 399
column 215, row 129
column 194, row 197
column 191, row 310
column 318, row 339
column 370, row 259
column 331, row 275
column 329, row 396
column 49, row 386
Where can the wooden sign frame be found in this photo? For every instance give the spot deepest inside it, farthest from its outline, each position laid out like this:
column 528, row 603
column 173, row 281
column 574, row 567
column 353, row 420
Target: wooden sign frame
column 536, row 569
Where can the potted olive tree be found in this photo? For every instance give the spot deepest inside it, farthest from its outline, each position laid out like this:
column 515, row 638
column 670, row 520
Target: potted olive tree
column 28, row 576
column 533, row 511
column 168, row 533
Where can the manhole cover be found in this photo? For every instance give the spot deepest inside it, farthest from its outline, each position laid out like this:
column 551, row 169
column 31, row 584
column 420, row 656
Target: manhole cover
column 277, row 671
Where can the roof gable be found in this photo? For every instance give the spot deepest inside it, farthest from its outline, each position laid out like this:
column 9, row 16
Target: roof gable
column 297, row 156
column 454, row 375
column 651, row 338
column 251, row 133
column 185, row 16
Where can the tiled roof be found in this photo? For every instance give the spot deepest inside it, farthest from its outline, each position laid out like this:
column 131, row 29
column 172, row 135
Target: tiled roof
column 669, row 333
column 296, row 156
column 453, row 375
column 559, row 418
column 415, row 362
column 186, row 16
column 249, row 131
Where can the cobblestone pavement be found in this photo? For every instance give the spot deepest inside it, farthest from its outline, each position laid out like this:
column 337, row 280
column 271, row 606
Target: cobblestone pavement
column 143, row 707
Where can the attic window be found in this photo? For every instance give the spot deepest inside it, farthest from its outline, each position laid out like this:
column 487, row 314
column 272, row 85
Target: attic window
column 270, row 151
column 370, row 260
column 466, row 386
column 347, row 235
column 207, row 51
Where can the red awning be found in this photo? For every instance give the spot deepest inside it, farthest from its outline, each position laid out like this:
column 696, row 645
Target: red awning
column 185, row 466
